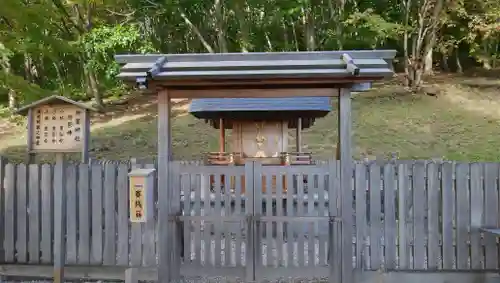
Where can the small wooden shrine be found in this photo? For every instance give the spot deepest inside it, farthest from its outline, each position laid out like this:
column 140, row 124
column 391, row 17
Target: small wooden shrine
column 260, row 127
column 252, row 75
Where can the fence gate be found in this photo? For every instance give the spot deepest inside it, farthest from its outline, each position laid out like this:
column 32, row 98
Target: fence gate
column 258, row 222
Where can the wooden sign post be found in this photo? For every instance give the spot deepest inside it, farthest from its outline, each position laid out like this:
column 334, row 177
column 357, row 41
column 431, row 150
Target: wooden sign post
column 58, row 125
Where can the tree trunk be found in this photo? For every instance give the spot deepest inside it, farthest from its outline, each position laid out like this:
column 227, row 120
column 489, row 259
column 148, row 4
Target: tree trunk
column 423, row 40
column 219, row 21
column 196, row 31
column 295, row 37
column 27, row 68
column 12, row 99
column 336, row 15
column 241, row 12
column 406, row 58
column 417, row 77
column 285, row 35
column 308, row 22
column 428, row 62
column 94, row 88
column 444, row 58
column 460, row 70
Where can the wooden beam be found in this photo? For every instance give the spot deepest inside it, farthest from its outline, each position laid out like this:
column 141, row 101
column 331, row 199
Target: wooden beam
column 164, row 192
column 346, row 167
column 37, row 272
column 309, row 83
column 298, row 135
column 241, row 93
column 222, row 135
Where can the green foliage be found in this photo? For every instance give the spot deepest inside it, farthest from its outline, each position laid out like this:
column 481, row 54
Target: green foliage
column 370, row 30
column 67, row 47
column 102, row 43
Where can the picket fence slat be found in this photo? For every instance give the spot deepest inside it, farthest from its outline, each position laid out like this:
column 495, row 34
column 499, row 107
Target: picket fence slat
column 323, row 226
column 47, row 195
column 217, row 211
column 375, row 217
column 97, row 212
column 123, row 216
column 257, row 210
column 419, row 203
column 476, row 217
column 84, row 210
column 491, row 219
column 149, row 239
column 433, row 196
column 290, row 232
column 186, row 190
column 227, row 212
column 34, row 213
column 10, row 212
column 3, row 162
column 447, row 215
column 207, row 225
column 390, row 227
column 404, row 238
column 71, row 215
column 197, row 211
column 21, row 207
column 462, row 213
column 280, row 241
column 109, row 256
column 239, row 210
column 268, row 202
column 300, row 226
column 361, row 221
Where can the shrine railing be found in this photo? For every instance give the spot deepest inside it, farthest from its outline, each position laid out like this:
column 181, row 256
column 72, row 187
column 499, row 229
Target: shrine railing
column 220, row 158
column 285, row 158
column 297, row 158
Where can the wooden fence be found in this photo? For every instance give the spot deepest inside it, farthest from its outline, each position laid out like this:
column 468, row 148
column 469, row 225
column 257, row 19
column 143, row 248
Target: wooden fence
column 408, row 215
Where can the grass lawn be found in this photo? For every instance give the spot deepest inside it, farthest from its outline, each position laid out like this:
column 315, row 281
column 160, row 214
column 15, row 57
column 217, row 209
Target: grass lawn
column 461, row 123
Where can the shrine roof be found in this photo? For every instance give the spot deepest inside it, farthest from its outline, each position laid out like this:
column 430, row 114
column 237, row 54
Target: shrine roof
column 316, row 69
column 54, row 99
column 202, row 106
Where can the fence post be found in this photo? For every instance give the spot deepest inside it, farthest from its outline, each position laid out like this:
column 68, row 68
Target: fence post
column 346, row 169
column 59, row 218
column 3, row 162
column 249, row 206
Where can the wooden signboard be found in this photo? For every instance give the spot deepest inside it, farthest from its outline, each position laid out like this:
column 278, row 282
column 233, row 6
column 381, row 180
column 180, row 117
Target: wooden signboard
column 57, row 124
column 57, row 128
column 137, row 199
column 141, row 190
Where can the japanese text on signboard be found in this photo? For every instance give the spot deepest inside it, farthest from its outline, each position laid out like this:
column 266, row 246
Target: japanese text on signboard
column 137, row 201
column 57, row 128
